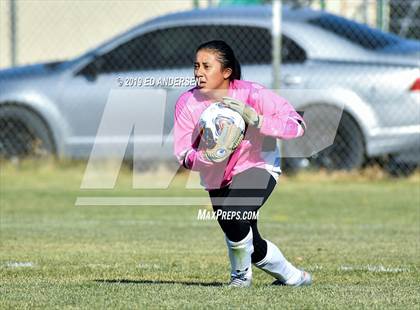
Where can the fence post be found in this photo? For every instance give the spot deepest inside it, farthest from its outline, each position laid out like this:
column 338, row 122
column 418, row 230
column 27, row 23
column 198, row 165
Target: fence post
column 382, row 10
column 276, row 38
column 13, row 41
column 365, row 12
column 276, row 42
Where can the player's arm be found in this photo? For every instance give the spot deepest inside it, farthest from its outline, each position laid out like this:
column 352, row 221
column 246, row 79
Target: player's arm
column 186, row 154
column 278, row 118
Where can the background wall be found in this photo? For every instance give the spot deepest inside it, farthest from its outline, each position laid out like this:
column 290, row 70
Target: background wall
column 42, row 24
column 50, row 30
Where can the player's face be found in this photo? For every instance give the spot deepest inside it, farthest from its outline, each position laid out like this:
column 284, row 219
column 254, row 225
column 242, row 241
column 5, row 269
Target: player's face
column 209, row 73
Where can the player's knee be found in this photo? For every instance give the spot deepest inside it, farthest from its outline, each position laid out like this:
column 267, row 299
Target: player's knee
column 235, row 230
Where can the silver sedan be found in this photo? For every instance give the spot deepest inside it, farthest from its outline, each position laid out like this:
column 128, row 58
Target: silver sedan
column 330, row 66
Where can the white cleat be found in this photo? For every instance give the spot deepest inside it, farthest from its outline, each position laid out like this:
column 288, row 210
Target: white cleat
column 305, row 280
column 240, row 281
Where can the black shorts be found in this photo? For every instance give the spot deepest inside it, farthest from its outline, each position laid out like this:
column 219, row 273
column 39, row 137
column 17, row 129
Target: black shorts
column 248, row 191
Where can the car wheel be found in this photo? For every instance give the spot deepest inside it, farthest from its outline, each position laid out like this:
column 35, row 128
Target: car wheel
column 398, row 168
column 347, row 151
column 293, row 165
column 23, row 133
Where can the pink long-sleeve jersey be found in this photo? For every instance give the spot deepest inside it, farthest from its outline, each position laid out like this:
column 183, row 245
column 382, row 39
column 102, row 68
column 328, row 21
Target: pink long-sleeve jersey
column 257, row 149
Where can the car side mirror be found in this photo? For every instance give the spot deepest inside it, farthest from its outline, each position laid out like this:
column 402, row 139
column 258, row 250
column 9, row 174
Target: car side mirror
column 92, row 70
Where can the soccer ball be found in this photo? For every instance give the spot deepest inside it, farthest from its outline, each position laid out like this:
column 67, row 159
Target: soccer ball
column 212, row 121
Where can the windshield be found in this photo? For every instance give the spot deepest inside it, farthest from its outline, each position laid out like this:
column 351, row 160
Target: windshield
column 357, row 33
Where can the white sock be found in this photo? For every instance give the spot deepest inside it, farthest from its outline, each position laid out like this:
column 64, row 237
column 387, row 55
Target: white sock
column 240, row 256
column 275, row 264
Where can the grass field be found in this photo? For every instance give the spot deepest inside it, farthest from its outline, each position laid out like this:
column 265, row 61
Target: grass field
column 358, row 235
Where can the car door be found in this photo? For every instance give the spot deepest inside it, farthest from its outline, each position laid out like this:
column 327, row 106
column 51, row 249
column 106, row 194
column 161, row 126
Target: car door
column 137, row 63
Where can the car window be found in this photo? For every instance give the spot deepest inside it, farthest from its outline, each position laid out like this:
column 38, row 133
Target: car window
column 154, row 50
column 357, row 33
column 175, row 48
column 291, row 52
column 253, row 45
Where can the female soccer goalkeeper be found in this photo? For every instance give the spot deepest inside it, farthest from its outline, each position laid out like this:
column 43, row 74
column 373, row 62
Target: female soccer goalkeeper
column 248, row 171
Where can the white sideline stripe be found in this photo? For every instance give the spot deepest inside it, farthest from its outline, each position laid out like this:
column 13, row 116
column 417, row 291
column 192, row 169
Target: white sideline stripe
column 371, row 268
column 148, row 266
column 165, row 201
column 314, row 268
column 141, row 201
column 19, row 264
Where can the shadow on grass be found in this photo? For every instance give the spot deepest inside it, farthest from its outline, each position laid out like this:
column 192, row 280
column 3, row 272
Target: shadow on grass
column 126, row 281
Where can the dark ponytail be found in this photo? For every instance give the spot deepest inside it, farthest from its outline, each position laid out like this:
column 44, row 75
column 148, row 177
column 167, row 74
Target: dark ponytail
column 225, row 55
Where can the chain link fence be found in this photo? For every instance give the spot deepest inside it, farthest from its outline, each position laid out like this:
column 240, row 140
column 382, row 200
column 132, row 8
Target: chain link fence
column 335, row 60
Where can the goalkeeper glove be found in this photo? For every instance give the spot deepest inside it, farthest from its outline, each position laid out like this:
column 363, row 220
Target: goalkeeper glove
column 229, row 139
column 250, row 116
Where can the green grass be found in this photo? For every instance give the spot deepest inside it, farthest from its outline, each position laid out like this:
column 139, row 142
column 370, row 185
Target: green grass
column 357, row 235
